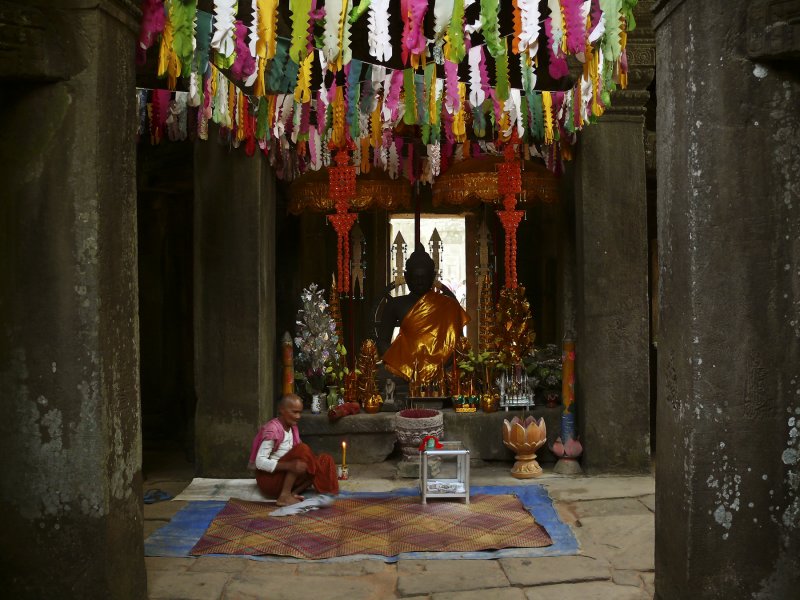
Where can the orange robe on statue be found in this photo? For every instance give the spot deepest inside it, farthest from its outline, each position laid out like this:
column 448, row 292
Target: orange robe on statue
column 427, row 335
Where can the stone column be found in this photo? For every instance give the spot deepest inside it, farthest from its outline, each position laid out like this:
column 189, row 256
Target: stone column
column 70, row 440
column 612, row 367
column 234, row 304
column 728, row 481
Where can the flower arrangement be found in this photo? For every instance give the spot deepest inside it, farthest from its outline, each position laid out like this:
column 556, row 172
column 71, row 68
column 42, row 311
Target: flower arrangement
column 316, row 340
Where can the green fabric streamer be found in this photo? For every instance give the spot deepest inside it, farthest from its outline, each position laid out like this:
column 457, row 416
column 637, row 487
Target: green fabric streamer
column 359, row 10
column 428, row 88
column 523, row 109
column 490, row 13
column 203, row 37
column 277, row 66
column 569, row 112
column 181, row 14
column 289, row 81
column 610, row 41
column 608, row 82
column 262, row 125
column 537, row 117
column 478, row 121
column 501, row 73
column 410, row 92
column 455, row 33
column 300, row 20
column 627, row 12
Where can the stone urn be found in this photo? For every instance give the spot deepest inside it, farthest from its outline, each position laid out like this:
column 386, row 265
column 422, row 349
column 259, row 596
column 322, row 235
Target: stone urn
column 412, row 425
column 525, row 438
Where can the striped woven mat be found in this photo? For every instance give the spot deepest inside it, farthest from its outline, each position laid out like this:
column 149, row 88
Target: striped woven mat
column 386, row 526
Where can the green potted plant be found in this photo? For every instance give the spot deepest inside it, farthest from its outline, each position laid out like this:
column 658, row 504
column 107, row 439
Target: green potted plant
column 543, row 366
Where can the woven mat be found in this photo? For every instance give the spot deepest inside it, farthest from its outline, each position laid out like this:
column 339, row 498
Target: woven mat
column 385, row 526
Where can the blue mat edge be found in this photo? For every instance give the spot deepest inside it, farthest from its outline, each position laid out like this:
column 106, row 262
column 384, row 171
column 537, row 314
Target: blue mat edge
column 178, row 537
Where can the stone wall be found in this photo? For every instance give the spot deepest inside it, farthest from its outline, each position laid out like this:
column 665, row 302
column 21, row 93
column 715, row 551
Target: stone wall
column 70, row 441
column 727, row 484
column 234, row 304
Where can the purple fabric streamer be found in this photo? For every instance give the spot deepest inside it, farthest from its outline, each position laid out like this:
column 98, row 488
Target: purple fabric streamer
column 558, row 64
column 244, row 64
column 575, row 26
column 451, row 84
column 153, row 21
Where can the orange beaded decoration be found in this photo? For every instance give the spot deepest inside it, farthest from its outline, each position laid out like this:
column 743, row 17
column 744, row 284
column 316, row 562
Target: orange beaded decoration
column 342, row 187
column 509, row 184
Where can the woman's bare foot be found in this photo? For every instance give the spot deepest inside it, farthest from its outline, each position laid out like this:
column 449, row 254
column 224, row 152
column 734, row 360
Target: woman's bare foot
column 288, row 499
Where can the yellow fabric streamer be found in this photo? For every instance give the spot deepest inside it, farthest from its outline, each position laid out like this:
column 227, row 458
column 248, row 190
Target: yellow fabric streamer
column 375, row 128
column 547, row 103
column 623, row 41
column 272, row 101
column 503, row 127
column 168, row 63
column 432, row 112
column 459, row 125
column 563, row 30
column 267, row 28
column 597, row 108
column 342, row 18
column 337, row 139
column 240, row 116
column 232, row 93
column 302, row 92
column 214, row 76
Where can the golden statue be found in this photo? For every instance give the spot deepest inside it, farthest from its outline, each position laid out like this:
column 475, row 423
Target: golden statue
column 430, row 323
column 366, row 364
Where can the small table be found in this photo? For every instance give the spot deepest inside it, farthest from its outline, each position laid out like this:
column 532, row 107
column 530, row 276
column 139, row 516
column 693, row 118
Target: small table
column 445, row 488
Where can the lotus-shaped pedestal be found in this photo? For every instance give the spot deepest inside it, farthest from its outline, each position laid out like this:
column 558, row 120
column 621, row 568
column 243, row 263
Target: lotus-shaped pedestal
column 525, row 438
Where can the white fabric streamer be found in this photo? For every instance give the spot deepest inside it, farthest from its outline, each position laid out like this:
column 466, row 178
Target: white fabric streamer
column 476, row 93
column 380, row 43
column 330, row 36
column 224, row 39
column 442, row 14
column 529, row 39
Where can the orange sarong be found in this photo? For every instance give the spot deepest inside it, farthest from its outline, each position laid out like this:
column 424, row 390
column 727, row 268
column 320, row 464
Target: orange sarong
column 427, row 335
column 321, row 468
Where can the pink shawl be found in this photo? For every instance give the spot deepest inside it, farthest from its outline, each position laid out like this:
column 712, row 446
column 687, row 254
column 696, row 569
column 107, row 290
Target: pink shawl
column 271, row 430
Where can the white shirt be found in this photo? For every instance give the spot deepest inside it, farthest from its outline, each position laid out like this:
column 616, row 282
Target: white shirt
column 268, row 456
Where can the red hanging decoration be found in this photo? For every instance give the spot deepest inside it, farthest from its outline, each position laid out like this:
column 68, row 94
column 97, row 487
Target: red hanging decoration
column 341, row 188
column 509, row 184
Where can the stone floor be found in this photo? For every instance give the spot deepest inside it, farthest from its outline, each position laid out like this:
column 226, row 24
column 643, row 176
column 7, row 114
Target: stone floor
column 612, row 518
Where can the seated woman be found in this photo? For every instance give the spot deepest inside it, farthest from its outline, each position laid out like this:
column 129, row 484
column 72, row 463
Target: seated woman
column 284, row 466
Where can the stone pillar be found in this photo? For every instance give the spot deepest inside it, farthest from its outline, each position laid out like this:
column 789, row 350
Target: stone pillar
column 234, row 304
column 612, row 366
column 728, row 481
column 70, row 441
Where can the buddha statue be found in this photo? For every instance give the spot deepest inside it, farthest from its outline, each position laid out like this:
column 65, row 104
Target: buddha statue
column 430, row 322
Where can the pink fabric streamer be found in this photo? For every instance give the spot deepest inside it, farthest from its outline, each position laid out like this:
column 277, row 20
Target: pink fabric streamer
column 153, row 20
column 312, row 147
column 393, row 99
column 244, row 64
column 451, row 84
column 305, row 117
column 558, row 64
column 484, row 72
column 320, row 113
column 415, row 40
column 575, row 26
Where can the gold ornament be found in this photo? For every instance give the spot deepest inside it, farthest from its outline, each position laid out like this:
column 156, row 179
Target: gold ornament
column 366, row 364
column 513, row 326
column 487, row 307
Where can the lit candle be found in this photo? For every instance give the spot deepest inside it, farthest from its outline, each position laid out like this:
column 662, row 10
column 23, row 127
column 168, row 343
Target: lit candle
column 344, row 454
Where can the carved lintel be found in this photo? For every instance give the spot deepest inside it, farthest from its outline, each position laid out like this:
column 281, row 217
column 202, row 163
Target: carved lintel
column 773, row 30
column 641, row 48
column 627, row 104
